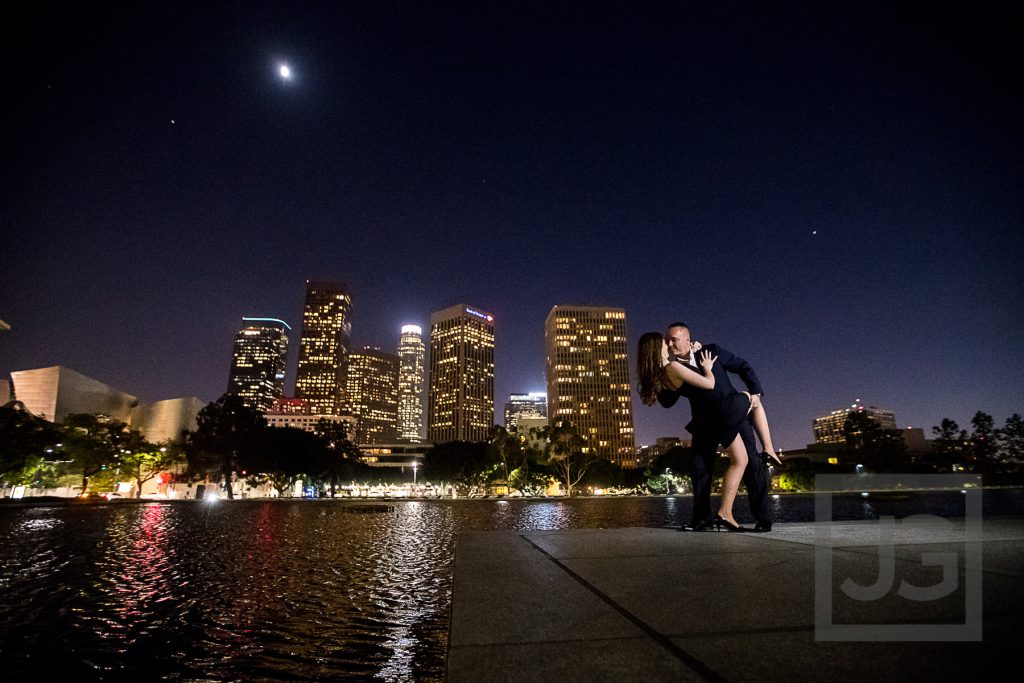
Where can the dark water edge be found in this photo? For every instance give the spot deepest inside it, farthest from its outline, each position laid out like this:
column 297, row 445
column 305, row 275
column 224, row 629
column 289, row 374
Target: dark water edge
column 292, row 589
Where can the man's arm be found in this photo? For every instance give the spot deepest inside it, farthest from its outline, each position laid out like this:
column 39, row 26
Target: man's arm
column 739, row 366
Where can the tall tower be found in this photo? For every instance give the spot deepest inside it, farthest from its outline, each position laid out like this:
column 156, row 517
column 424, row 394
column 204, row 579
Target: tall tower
column 588, row 377
column 532, row 405
column 461, row 398
column 324, row 346
column 258, row 361
column 410, row 384
column 372, row 390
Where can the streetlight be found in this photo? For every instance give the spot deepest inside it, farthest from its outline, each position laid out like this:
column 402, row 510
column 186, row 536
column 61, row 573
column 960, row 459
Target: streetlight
column 414, row 466
column 668, row 482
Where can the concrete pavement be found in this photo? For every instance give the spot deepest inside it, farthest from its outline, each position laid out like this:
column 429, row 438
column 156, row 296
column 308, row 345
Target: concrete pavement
column 663, row 605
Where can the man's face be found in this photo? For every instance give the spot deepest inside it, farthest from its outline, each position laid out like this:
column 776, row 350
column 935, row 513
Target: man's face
column 678, row 340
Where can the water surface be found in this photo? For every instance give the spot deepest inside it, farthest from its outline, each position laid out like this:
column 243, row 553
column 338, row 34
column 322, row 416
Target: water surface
column 286, row 590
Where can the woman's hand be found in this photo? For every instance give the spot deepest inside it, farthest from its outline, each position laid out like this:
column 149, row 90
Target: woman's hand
column 707, row 361
column 696, row 346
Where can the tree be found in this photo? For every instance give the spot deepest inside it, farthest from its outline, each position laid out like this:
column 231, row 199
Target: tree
column 1011, row 438
column 527, row 472
column 339, row 458
column 143, row 460
column 93, row 442
column 463, row 465
column 226, row 430
column 665, row 471
column 568, row 454
column 951, row 445
column 517, row 460
column 283, row 455
column 24, row 439
column 984, row 442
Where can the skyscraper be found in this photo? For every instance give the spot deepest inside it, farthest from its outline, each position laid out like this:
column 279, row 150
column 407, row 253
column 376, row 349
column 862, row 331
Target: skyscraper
column 532, row 405
column 410, row 384
column 258, row 361
column 588, row 377
column 372, row 390
column 324, row 347
column 461, row 397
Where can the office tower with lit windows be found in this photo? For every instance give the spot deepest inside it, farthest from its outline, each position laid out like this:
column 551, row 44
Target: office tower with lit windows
column 323, row 347
column 588, row 378
column 411, row 354
column 532, row 405
column 831, row 428
column 460, row 402
column 258, row 362
column 372, row 390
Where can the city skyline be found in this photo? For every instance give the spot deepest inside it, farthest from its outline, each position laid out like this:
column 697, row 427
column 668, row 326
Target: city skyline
column 830, row 192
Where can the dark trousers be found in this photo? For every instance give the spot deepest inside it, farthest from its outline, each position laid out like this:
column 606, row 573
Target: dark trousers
column 755, row 476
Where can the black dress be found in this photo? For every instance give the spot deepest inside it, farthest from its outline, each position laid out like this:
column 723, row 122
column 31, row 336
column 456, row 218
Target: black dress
column 729, row 413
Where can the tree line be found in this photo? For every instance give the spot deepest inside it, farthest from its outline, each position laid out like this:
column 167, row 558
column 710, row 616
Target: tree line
column 995, row 453
column 232, row 443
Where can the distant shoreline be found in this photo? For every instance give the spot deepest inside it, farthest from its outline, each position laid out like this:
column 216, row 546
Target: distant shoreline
column 43, row 501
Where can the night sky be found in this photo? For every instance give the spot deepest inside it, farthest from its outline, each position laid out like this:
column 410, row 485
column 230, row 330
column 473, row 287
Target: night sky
column 833, row 192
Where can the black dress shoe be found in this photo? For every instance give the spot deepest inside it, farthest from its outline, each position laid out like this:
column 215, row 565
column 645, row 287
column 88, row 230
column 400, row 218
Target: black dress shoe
column 705, row 525
column 762, row 527
column 729, row 526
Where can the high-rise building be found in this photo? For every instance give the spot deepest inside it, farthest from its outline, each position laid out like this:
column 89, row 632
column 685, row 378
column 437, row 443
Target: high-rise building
column 410, row 384
column 588, row 377
column 258, row 362
column 831, row 428
column 372, row 389
column 519, row 406
column 324, row 347
column 461, row 396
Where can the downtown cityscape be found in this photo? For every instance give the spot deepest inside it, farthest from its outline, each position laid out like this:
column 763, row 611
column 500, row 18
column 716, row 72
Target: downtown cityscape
column 352, row 341
column 394, row 405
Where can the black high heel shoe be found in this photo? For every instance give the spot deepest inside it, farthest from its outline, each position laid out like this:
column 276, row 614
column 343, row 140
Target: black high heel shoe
column 772, row 460
column 729, row 526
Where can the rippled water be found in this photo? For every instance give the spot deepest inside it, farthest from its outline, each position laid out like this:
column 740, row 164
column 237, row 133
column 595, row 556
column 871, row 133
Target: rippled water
column 284, row 590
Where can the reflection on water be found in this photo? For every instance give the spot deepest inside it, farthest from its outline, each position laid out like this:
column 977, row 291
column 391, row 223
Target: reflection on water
column 286, row 590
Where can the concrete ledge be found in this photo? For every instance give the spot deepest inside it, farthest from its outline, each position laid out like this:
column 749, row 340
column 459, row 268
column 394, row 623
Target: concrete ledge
column 657, row 604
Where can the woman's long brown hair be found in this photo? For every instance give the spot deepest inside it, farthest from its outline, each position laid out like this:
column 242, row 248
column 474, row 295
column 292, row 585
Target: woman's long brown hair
column 648, row 367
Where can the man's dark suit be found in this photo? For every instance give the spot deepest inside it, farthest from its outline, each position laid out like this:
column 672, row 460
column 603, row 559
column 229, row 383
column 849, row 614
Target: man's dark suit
column 706, row 428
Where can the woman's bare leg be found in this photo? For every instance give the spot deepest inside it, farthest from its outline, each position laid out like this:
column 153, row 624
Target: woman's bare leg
column 760, row 421
column 731, row 482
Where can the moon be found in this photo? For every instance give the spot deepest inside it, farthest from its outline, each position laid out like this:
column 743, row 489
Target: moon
column 285, row 71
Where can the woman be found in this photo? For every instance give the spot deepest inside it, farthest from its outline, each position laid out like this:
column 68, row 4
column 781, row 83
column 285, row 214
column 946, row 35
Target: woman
column 658, row 371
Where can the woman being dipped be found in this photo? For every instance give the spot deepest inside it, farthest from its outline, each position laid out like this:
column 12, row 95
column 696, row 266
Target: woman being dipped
column 658, row 371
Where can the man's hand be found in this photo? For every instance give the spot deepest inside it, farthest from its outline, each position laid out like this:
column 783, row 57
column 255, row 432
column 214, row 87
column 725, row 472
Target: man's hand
column 755, row 401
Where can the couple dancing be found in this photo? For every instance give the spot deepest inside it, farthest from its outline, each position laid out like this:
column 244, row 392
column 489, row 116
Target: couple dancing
column 672, row 366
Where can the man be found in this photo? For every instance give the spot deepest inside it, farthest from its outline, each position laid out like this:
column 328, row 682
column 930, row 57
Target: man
column 705, row 427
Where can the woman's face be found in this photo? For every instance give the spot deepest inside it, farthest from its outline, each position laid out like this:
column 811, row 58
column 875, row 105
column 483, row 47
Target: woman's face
column 664, row 352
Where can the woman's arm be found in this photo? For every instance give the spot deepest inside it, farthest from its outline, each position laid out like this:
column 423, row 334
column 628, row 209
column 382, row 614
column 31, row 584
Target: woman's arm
column 677, row 374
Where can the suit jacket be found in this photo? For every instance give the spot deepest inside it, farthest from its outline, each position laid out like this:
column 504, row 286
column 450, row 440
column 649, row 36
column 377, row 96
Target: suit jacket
column 706, row 405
